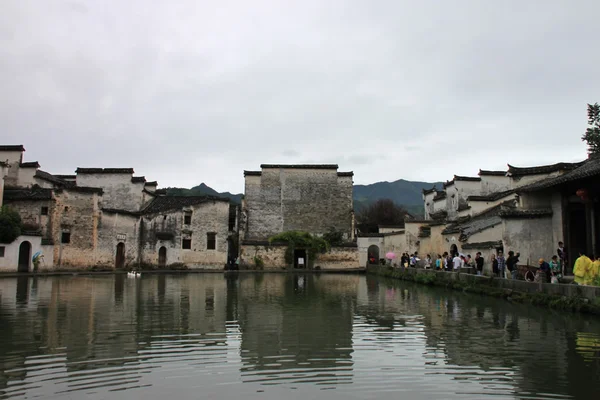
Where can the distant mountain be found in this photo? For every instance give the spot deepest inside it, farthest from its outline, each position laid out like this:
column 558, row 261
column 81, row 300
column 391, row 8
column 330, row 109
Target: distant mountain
column 204, row 190
column 405, row 193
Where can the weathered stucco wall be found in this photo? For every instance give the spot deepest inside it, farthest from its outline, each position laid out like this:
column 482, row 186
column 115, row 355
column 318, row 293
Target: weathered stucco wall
column 119, row 191
column 76, row 213
column 488, row 235
column 435, row 243
column 10, row 261
column 286, row 199
column 533, row 238
column 337, row 258
column 478, row 207
column 209, row 217
column 492, row 184
column 31, row 214
column 25, row 176
column 363, row 248
column 411, row 232
column 113, row 229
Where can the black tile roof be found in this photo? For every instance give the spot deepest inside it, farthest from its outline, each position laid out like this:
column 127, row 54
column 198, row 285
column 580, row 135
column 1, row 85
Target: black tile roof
column 590, row 168
column 370, row 235
column 483, row 172
column 482, row 245
column 492, row 196
column 54, row 179
column 428, row 191
column 524, row 213
column 489, row 218
column 153, row 183
column 346, row 173
column 167, row 203
column 467, row 178
column 104, row 170
column 448, row 183
column 66, row 177
column 27, row 194
column 439, row 196
column 138, row 179
column 252, row 173
column 17, row 147
column 84, row 189
column 441, row 214
column 120, row 211
column 301, row 166
column 30, row 164
column 542, row 169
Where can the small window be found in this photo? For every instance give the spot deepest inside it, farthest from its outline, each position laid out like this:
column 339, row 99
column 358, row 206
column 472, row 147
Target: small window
column 187, row 218
column 186, row 244
column 66, row 208
column 66, row 237
column 211, row 241
column 1, row 251
column 164, row 217
column 44, row 210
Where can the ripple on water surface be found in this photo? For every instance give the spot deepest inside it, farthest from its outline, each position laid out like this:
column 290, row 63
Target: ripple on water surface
column 269, row 336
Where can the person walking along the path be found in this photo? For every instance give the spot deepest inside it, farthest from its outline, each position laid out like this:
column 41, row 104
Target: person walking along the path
column 511, row 263
column 479, row 263
column 494, row 265
column 501, row 264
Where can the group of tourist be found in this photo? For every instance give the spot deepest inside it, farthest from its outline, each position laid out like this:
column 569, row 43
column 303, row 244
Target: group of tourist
column 502, row 267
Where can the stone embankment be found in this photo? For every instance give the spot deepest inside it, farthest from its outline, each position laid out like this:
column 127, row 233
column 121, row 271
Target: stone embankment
column 569, row 297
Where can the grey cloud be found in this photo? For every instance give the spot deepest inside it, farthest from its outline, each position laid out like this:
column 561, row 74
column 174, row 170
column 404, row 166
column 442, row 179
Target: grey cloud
column 188, row 92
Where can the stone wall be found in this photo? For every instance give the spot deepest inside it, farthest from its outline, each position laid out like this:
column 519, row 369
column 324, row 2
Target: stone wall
column 337, row 258
column 13, row 159
column 119, row 192
column 209, row 217
column 558, row 295
column 286, row 199
column 115, row 228
column 363, row 247
column 76, row 213
column 31, row 214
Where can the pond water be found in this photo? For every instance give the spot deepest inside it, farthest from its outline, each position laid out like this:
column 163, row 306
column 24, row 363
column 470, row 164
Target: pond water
column 266, row 336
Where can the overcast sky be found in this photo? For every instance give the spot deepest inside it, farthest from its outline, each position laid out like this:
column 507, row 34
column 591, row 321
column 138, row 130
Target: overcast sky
column 192, row 91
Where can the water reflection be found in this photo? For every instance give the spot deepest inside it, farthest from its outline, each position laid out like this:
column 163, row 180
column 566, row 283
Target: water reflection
column 283, row 334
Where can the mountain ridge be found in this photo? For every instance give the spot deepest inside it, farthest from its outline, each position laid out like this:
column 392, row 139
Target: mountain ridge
column 407, row 194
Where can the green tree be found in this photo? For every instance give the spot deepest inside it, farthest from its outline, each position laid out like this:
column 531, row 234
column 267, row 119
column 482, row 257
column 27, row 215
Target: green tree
column 382, row 212
column 10, row 225
column 592, row 133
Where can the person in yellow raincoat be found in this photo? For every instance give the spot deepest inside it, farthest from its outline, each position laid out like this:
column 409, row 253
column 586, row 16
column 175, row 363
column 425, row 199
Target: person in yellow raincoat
column 586, row 270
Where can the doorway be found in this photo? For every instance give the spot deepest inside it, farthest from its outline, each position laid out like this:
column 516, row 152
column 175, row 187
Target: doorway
column 453, row 250
column 373, row 254
column 162, row 256
column 300, row 258
column 120, row 258
column 24, row 256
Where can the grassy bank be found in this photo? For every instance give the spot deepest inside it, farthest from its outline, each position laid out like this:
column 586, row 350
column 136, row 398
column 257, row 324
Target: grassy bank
column 561, row 297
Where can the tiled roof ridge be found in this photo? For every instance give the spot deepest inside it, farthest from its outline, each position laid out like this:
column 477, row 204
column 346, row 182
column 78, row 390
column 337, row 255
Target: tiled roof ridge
column 467, row 178
column 12, row 147
column 29, row 164
column 81, row 170
column 301, row 166
column 483, row 172
column 542, row 169
column 252, row 173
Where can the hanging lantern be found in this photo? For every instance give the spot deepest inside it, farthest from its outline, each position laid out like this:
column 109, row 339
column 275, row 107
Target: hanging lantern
column 582, row 193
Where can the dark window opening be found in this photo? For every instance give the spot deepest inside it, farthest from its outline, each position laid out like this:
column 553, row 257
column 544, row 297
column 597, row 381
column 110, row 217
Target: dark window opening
column 66, row 208
column 66, row 237
column 164, row 217
column 186, row 244
column 211, row 241
column 1, row 251
column 187, row 219
column 44, row 210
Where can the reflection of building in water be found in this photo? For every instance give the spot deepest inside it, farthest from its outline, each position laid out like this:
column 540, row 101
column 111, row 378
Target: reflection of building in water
column 301, row 324
column 491, row 334
column 98, row 323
